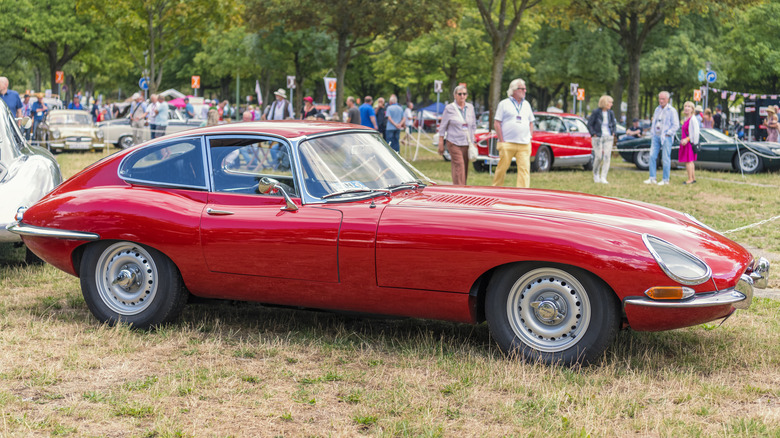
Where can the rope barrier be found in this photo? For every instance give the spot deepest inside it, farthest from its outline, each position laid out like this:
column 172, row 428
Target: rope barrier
column 753, row 225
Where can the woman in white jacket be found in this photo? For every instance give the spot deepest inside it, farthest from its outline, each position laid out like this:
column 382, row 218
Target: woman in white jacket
column 690, row 137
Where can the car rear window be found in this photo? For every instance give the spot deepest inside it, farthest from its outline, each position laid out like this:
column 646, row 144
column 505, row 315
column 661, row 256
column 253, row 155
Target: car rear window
column 175, row 163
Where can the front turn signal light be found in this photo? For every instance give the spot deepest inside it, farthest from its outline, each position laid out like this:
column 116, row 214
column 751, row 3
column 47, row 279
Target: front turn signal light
column 669, row 293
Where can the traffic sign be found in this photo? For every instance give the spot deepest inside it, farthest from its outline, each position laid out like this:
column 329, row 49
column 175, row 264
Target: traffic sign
column 143, row 84
column 573, row 88
column 697, row 95
column 437, row 86
column 195, row 82
column 580, row 94
column 711, row 77
column 702, row 76
column 291, row 82
column 59, row 77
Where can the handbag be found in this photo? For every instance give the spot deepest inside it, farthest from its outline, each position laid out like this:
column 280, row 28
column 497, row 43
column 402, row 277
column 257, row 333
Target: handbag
column 696, row 148
column 473, row 152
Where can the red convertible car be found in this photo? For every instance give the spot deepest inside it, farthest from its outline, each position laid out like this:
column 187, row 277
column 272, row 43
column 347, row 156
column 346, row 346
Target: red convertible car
column 325, row 215
column 559, row 140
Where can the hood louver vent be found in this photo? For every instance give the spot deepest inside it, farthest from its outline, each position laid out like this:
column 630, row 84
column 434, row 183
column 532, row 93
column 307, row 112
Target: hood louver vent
column 477, row 201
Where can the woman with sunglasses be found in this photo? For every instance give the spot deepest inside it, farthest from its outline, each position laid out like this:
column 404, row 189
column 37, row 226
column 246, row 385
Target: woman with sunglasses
column 456, row 131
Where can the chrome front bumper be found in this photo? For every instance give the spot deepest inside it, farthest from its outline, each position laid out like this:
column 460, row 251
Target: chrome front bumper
column 740, row 296
column 29, row 230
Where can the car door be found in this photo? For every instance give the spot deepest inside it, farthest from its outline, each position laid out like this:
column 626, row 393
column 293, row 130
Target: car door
column 249, row 233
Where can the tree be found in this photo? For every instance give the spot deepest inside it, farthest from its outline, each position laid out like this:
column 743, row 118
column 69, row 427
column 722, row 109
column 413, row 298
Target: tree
column 501, row 22
column 353, row 24
column 633, row 20
column 57, row 29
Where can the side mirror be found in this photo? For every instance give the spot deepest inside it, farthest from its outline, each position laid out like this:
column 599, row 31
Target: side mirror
column 270, row 185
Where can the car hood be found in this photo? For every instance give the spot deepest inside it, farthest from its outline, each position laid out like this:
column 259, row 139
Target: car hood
column 623, row 216
column 67, row 130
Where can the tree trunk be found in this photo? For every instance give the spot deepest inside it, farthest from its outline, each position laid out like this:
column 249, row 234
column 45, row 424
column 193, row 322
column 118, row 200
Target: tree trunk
column 496, row 74
column 633, row 53
column 617, row 95
column 342, row 60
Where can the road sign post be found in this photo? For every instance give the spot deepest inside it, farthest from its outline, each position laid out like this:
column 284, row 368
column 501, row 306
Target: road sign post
column 580, row 97
column 573, row 91
column 291, row 86
column 195, row 84
column 437, row 88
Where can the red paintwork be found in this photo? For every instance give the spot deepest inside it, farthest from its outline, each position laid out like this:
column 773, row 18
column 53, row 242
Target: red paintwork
column 415, row 253
column 550, row 139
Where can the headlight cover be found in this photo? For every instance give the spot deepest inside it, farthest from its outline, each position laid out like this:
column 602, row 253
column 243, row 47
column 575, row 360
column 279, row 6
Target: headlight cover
column 99, row 133
column 680, row 265
column 55, row 134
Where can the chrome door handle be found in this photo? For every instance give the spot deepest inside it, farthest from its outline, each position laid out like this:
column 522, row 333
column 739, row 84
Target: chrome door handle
column 213, row 212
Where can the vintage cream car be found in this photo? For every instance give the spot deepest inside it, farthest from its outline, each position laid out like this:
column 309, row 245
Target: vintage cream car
column 119, row 132
column 68, row 130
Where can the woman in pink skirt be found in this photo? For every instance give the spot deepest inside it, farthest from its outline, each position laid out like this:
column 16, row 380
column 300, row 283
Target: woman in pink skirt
column 690, row 137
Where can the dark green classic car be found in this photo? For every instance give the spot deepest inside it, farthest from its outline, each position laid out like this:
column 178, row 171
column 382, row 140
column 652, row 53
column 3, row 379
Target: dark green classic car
column 718, row 151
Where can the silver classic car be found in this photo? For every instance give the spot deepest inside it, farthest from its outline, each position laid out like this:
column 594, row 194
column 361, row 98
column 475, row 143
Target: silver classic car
column 27, row 173
column 119, row 132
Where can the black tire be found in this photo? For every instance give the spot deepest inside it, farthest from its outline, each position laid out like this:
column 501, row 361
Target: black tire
column 131, row 283
column 642, row 159
column 589, row 164
column 480, row 166
column 551, row 313
column 543, row 160
column 747, row 161
column 30, row 258
column 125, row 142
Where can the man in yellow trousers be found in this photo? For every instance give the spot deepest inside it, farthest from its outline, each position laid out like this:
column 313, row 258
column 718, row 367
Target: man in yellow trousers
column 514, row 125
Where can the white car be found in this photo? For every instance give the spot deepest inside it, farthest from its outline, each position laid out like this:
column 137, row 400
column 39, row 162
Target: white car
column 119, row 132
column 27, row 173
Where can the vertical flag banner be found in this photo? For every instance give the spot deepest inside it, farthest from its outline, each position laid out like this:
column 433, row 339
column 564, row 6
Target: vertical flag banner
column 330, row 86
column 259, row 94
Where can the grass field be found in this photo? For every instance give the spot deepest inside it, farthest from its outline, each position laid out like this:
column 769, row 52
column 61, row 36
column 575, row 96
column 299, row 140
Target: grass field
column 239, row 369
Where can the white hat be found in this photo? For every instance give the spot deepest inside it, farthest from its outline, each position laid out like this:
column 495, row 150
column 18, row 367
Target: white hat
column 281, row 92
column 136, row 96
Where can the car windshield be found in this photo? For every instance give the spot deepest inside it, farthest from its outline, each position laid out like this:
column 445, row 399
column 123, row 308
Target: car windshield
column 713, row 135
column 69, row 119
column 352, row 164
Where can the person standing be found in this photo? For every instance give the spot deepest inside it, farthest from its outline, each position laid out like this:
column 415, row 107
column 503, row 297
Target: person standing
column 308, row 108
column 10, row 97
column 514, row 125
column 160, row 117
column 353, row 113
column 38, row 110
column 456, row 132
column 395, row 117
column 689, row 137
column 381, row 118
column 76, row 103
column 279, row 109
column 151, row 113
column 367, row 114
column 138, row 117
column 26, row 112
column 717, row 118
column 602, row 126
column 189, row 110
column 408, row 122
column 665, row 125
column 706, row 119
column 772, row 126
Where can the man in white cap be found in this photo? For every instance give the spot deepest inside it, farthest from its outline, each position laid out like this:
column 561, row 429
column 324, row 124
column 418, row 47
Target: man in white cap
column 138, row 117
column 280, row 109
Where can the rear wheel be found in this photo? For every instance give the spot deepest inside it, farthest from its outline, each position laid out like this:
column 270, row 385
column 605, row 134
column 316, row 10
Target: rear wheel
column 543, row 160
column 748, row 162
column 130, row 283
column 480, row 166
column 551, row 313
column 125, row 141
column 642, row 159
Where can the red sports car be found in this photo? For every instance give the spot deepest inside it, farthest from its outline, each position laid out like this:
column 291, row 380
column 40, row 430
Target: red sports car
column 559, row 140
column 325, row 215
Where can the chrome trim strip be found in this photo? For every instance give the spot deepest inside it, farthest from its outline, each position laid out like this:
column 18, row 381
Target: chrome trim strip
column 688, row 282
column 29, row 230
column 739, row 297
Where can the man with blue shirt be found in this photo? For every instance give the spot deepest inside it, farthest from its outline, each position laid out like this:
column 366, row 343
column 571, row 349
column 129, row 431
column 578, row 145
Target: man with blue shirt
column 10, row 97
column 367, row 114
column 38, row 111
column 666, row 122
column 189, row 110
column 76, row 104
column 395, row 116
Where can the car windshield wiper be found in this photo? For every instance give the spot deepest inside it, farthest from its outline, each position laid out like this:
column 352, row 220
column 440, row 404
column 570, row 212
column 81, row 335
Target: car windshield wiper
column 411, row 184
column 355, row 190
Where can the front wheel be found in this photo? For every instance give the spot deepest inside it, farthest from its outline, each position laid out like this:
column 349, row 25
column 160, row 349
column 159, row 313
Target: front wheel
column 551, row 313
column 130, row 283
column 125, row 141
column 748, row 162
column 642, row 159
column 480, row 166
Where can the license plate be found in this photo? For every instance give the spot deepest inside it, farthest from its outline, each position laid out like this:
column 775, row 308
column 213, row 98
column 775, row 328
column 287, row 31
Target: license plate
column 79, row 145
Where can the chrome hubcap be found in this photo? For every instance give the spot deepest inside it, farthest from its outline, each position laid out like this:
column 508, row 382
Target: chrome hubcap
column 749, row 161
column 548, row 309
column 126, row 278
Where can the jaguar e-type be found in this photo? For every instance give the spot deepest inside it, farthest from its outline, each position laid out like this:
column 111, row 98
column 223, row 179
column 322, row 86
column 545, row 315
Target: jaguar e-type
column 325, row 215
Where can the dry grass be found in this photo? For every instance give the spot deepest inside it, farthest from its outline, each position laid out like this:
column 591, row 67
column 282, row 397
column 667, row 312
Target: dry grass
column 248, row 370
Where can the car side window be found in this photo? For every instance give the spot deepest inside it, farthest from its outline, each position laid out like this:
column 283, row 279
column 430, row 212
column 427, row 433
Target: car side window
column 540, row 123
column 175, row 163
column 554, row 125
column 238, row 164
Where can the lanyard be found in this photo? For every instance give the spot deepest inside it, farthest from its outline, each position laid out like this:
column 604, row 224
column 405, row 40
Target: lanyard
column 518, row 106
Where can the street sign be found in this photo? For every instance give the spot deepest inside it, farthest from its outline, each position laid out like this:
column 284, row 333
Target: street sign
column 195, row 82
column 697, row 95
column 143, row 84
column 702, row 76
column 59, row 77
column 580, row 94
column 573, row 88
column 711, row 77
column 437, row 86
column 291, row 82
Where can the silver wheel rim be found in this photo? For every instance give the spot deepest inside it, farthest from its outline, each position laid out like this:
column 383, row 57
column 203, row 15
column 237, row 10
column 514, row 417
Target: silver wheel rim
column 126, row 278
column 544, row 158
column 126, row 142
column 548, row 309
column 749, row 161
column 643, row 158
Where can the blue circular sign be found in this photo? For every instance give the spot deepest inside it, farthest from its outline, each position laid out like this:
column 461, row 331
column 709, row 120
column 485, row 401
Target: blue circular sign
column 711, row 77
column 143, row 83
